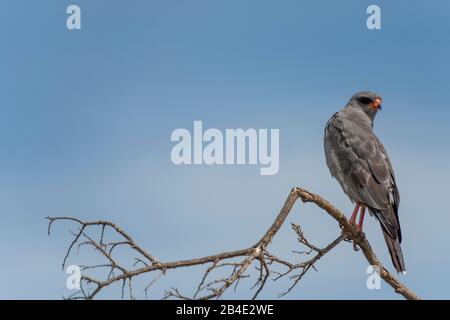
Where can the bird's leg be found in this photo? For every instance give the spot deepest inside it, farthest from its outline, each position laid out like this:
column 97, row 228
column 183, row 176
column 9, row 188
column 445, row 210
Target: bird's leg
column 361, row 218
column 355, row 212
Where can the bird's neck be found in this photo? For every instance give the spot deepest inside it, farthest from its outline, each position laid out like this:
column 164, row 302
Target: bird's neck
column 361, row 117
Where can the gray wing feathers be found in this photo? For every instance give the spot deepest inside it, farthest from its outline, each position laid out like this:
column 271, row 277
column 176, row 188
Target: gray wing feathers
column 358, row 160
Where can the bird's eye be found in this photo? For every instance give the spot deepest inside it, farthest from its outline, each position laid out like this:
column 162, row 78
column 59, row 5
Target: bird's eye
column 365, row 100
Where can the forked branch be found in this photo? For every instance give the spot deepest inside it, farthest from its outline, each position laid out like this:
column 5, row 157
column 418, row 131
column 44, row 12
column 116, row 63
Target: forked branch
column 235, row 264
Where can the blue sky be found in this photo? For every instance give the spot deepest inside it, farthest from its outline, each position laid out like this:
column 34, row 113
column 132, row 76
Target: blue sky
column 86, row 118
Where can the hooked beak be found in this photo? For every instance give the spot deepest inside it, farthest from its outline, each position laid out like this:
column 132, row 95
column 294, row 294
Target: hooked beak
column 376, row 104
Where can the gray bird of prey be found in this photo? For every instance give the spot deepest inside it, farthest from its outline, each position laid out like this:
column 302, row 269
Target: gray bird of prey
column 361, row 165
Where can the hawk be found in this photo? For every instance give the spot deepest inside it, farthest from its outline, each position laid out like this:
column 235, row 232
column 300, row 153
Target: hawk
column 359, row 162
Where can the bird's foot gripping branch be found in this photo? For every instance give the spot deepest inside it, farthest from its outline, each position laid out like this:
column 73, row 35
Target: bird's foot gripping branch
column 234, row 264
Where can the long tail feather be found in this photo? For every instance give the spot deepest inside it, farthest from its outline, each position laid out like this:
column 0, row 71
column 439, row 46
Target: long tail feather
column 395, row 251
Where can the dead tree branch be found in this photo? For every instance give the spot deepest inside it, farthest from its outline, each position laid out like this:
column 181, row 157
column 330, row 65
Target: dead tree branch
column 235, row 263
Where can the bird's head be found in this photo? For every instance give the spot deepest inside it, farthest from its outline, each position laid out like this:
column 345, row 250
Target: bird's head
column 368, row 102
